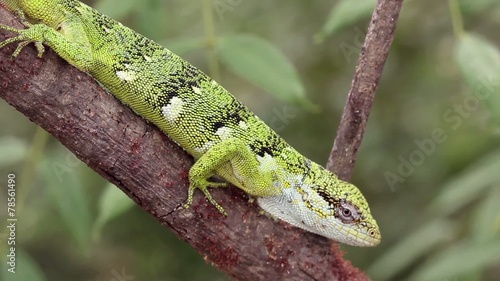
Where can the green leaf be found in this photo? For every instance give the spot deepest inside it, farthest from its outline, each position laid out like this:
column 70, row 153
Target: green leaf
column 476, row 6
column 117, row 9
column 261, row 63
column 468, row 186
column 411, row 248
column 112, row 203
column 344, row 14
column 479, row 63
column 64, row 184
column 487, row 217
column 459, row 260
column 26, row 269
column 182, row 46
column 12, row 150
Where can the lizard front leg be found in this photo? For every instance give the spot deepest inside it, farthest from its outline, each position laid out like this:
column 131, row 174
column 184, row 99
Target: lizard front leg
column 233, row 160
column 69, row 41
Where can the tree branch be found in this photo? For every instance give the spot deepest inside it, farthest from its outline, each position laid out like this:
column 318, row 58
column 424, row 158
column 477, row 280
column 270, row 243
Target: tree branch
column 153, row 171
column 364, row 84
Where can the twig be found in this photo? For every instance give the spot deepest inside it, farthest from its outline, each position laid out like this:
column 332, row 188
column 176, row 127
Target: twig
column 363, row 87
column 152, row 170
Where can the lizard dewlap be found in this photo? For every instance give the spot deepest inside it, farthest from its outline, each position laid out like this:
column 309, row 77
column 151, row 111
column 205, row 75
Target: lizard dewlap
column 225, row 137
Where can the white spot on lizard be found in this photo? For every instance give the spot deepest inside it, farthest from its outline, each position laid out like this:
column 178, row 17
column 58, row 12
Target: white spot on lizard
column 267, row 163
column 205, row 147
column 224, row 132
column 243, row 125
column 126, row 75
column 173, row 109
column 196, row 90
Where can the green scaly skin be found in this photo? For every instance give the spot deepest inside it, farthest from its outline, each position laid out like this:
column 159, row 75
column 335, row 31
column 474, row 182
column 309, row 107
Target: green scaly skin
column 224, row 136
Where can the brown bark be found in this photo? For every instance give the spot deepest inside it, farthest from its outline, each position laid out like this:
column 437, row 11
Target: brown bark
column 363, row 87
column 152, row 170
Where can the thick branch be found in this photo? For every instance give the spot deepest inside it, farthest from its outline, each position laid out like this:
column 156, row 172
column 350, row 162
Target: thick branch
column 364, row 84
column 152, row 170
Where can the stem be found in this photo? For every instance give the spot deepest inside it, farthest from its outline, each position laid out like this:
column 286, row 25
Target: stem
column 211, row 39
column 364, row 85
column 456, row 18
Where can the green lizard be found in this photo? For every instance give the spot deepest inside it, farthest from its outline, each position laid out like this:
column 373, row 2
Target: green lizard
column 225, row 138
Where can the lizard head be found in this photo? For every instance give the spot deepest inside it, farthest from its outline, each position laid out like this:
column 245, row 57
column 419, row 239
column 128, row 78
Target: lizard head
column 347, row 213
column 323, row 204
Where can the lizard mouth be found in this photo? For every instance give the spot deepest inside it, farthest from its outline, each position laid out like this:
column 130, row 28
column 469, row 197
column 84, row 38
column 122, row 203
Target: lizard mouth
column 360, row 236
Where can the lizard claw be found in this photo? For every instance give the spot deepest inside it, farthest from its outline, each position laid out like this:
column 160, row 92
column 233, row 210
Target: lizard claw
column 204, row 189
column 24, row 37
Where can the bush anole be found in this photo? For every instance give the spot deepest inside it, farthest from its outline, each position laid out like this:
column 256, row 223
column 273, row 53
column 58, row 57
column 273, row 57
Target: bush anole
column 225, row 137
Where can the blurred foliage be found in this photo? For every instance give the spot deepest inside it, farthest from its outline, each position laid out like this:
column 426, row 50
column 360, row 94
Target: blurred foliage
column 429, row 164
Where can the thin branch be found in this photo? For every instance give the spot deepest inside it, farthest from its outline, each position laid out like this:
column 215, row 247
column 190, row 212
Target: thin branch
column 152, row 170
column 363, row 87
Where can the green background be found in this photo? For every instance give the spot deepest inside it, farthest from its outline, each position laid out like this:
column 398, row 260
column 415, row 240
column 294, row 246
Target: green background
column 429, row 164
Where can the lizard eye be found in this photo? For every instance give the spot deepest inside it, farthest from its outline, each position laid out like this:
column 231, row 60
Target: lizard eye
column 346, row 212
